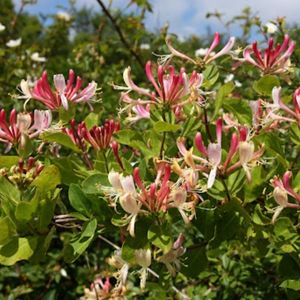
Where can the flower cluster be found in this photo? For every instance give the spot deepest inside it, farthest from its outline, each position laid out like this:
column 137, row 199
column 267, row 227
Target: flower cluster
column 22, row 126
column 272, row 60
column 210, row 161
column 135, row 197
column 63, row 93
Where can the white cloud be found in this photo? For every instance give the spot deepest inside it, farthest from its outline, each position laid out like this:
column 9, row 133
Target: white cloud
column 187, row 17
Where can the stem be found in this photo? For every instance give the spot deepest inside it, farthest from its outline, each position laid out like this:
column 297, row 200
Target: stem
column 207, row 125
column 87, row 161
column 162, row 145
column 120, row 33
column 226, row 189
column 105, row 161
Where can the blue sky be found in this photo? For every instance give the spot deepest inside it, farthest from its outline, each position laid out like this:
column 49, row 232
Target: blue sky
column 187, row 17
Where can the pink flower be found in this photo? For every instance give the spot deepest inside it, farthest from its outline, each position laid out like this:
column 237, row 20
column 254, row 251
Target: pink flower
column 274, row 59
column 63, row 92
column 21, row 125
column 170, row 88
column 209, row 55
column 283, row 188
column 279, row 104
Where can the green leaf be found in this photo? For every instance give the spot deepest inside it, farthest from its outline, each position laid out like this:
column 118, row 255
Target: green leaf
column 17, row 249
column 91, row 120
column 8, row 161
column 79, row 243
column 195, row 262
column 284, row 229
column 78, row 200
column 162, row 126
column 265, row 85
column 7, row 229
column 291, row 284
column 25, row 211
column 48, row 179
column 240, row 108
column 211, row 75
column 92, row 185
column 224, row 91
column 59, row 138
column 160, row 236
column 8, row 192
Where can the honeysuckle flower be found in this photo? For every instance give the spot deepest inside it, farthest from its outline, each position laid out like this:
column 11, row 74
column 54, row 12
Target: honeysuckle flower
column 273, row 60
column 172, row 258
column 2, row 27
column 143, row 258
column 135, row 197
column 99, row 290
column 209, row 54
column 279, row 104
column 75, row 133
column 36, row 57
column 283, row 188
column 22, row 125
column 140, row 111
column 170, row 88
column 270, row 27
column 63, row 93
column 14, row 43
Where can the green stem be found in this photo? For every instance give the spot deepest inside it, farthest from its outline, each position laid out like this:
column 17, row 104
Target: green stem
column 226, row 189
column 105, row 161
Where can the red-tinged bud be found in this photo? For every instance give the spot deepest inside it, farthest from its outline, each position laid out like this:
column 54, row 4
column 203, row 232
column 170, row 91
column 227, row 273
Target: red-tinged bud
column 179, row 242
column 21, row 165
column 219, row 125
column 243, row 134
column 137, row 178
column 199, row 144
column 232, row 150
column 30, row 162
column 115, row 149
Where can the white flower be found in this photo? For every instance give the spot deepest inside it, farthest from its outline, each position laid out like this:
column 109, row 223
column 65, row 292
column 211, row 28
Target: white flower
column 36, row 57
column 2, row 27
column 228, row 78
column 270, row 27
column 203, row 52
column 237, row 83
column 63, row 16
column 14, row 43
column 145, row 46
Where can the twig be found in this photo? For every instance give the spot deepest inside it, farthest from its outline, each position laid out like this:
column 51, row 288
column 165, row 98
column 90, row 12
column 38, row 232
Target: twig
column 120, row 33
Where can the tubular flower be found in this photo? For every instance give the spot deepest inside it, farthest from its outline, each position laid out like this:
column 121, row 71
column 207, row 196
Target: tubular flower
column 273, row 60
column 170, row 89
column 63, row 93
column 99, row 289
column 75, row 133
column 22, row 125
column 278, row 104
column 210, row 162
column 283, row 188
column 100, row 137
column 133, row 195
column 209, row 54
column 172, row 258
